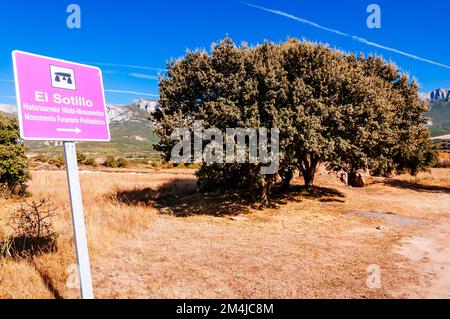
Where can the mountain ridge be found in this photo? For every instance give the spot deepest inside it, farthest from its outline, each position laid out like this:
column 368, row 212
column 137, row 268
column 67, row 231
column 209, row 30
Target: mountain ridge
column 439, row 94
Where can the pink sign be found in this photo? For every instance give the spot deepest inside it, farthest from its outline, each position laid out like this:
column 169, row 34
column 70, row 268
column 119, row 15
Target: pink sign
column 59, row 100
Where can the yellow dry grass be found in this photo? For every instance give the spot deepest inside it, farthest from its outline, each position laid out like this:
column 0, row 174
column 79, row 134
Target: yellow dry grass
column 108, row 222
column 306, row 246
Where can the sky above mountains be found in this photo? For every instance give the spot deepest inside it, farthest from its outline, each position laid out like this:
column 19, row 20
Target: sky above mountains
column 132, row 40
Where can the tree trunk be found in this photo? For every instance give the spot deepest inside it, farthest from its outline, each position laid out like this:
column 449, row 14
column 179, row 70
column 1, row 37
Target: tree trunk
column 286, row 177
column 308, row 170
column 308, row 177
column 266, row 190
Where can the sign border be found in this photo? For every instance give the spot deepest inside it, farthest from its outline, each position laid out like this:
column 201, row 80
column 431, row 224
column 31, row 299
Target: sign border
column 19, row 103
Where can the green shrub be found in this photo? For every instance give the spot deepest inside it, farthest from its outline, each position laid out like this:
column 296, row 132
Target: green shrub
column 57, row 161
column 81, row 157
column 41, row 158
column 194, row 166
column 122, row 162
column 112, row 162
column 90, row 161
column 14, row 171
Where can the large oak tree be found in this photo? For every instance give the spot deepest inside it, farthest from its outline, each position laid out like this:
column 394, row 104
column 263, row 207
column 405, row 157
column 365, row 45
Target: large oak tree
column 333, row 108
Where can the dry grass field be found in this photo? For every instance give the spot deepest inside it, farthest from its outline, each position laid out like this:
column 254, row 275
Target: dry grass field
column 151, row 236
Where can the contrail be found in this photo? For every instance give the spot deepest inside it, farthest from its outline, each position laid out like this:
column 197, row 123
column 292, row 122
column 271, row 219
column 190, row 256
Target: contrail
column 128, row 66
column 132, row 92
column 290, row 16
column 354, row 37
column 144, row 76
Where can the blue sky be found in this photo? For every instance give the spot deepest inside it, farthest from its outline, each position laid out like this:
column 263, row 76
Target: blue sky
column 132, row 40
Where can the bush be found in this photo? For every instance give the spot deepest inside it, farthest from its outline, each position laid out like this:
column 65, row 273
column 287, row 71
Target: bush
column 194, row 166
column 41, row 158
column 14, row 171
column 33, row 231
column 57, row 161
column 122, row 162
column 81, row 157
column 91, row 161
column 112, row 162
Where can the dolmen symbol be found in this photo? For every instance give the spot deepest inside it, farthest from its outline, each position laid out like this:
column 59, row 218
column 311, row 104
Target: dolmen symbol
column 66, row 77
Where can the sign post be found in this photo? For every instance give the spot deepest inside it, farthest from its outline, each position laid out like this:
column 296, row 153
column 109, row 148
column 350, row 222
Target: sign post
column 63, row 101
column 79, row 227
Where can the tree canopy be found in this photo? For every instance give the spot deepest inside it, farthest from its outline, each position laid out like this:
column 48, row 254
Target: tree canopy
column 345, row 111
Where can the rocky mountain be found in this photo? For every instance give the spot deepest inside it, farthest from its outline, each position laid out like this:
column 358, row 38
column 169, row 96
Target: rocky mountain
column 439, row 113
column 436, row 95
column 8, row 109
column 146, row 105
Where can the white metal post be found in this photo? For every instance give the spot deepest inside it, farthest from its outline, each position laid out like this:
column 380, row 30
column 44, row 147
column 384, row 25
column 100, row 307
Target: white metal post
column 79, row 225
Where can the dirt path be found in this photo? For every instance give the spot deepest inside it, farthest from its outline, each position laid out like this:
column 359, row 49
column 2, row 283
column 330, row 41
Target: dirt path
column 306, row 248
column 429, row 252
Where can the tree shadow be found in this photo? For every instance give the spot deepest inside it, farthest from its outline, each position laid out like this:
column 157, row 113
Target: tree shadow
column 47, row 281
column 417, row 187
column 216, row 204
column 27, row 248
column 181, row 198
column 136, row 197
column 296, row 193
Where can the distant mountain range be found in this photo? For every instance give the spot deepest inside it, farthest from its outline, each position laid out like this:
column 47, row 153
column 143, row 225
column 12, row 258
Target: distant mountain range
column 440, row 111
column 437, row 95
column 131, row 132
column 8, row 109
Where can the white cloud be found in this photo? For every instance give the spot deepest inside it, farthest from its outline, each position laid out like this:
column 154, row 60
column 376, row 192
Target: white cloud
column 144, row 76
column 354, row 37
column 132, row 92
